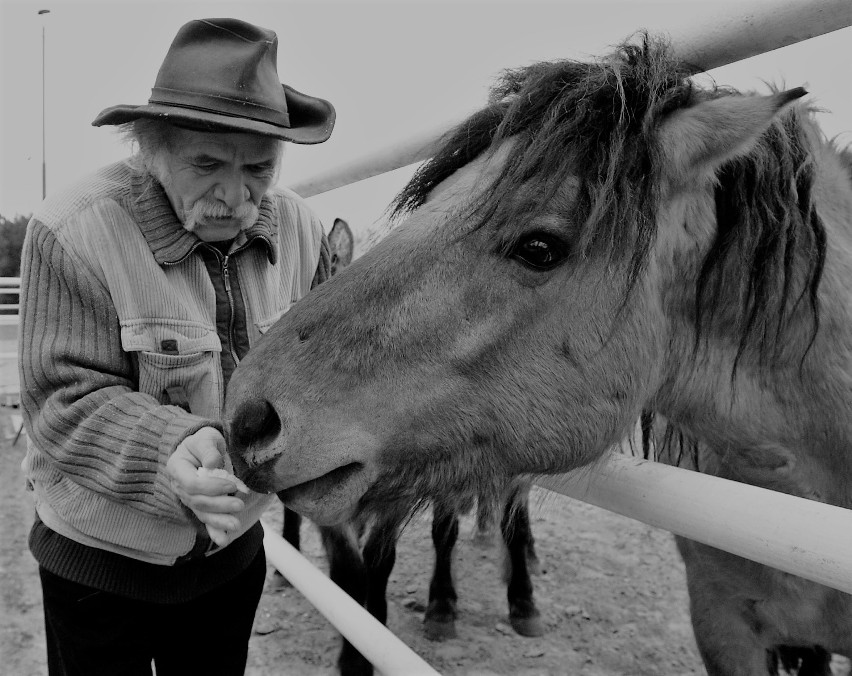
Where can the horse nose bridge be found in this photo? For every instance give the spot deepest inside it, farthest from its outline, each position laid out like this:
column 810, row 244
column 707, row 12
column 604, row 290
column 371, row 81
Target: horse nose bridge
column 253, row 431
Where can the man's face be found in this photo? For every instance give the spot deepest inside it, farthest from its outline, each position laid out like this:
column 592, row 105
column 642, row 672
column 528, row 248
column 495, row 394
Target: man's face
column 215, row 181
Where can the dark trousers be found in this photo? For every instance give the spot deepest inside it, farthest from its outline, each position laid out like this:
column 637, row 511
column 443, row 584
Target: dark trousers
column 93, row 633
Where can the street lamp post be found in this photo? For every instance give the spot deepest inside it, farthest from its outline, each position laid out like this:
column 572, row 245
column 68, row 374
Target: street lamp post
column 43, row 134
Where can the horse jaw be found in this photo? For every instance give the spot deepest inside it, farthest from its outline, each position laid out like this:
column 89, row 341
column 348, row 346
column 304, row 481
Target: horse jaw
column 330, row 499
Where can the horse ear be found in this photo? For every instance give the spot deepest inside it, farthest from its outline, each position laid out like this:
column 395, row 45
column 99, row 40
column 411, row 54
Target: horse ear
column 696, row 141
column 341, row 243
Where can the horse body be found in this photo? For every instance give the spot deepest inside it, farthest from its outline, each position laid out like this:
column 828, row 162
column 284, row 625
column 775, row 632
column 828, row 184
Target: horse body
column 741, row 608
column 600, row 240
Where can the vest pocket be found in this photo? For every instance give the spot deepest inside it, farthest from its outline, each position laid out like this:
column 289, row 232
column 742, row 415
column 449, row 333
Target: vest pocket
column 178, row 364
column 192, row 381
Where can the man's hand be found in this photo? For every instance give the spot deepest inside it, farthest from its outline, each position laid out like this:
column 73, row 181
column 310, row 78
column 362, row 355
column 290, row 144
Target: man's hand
column 209, row 495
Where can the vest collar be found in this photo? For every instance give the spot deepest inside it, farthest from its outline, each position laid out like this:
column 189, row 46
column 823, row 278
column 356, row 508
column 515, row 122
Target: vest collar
column 170, row 242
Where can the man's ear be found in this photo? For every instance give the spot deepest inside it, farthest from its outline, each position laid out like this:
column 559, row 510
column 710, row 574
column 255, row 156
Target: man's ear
column 696, row 141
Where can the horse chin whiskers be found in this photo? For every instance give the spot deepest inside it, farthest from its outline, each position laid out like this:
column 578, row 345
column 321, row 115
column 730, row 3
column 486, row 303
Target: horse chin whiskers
column 259, row 479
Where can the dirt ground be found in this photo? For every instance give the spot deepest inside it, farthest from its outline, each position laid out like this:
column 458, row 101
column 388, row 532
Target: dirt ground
column 611, row 592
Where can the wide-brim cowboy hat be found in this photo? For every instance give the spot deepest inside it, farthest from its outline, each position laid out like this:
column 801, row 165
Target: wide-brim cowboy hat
column 222, row 75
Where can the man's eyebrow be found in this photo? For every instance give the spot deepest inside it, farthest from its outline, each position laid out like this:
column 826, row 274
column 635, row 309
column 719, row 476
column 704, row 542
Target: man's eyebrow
column 202, row 156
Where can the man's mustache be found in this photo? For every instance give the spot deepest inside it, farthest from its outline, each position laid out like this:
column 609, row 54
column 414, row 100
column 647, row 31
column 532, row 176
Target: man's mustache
column 246, row 213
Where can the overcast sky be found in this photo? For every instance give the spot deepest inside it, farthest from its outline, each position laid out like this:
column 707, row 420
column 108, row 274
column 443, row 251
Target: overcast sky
column 390, row 69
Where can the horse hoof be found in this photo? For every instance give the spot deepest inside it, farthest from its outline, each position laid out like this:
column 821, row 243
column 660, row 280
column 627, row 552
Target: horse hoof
column 437, row 630
column 528, row 626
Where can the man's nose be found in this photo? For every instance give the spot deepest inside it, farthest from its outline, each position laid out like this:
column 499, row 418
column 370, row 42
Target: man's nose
column 232, row 191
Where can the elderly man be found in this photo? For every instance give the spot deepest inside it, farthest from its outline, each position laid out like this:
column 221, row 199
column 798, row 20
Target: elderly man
column 142, row 287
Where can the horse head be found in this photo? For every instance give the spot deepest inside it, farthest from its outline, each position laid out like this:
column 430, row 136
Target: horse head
column 559, row 266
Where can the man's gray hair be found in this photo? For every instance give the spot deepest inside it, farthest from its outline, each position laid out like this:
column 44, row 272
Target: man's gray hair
column 151, row 139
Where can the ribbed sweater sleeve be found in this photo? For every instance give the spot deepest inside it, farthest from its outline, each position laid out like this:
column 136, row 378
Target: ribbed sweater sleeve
column 80, row 406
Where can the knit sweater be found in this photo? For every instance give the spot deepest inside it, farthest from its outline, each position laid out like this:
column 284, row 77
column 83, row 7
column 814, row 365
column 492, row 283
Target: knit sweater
column 118, row 310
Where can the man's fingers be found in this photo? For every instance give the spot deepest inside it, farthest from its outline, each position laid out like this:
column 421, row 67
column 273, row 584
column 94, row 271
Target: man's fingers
column 204, row 448
column 209, row 486
column 238, row 485
column 201, row 483
column 208, row 446
column 223, row 522
column 218, row 504
column 220, row 537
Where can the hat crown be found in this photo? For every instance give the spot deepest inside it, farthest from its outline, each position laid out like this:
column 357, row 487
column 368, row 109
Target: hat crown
column 223, row 65
column 221, row 75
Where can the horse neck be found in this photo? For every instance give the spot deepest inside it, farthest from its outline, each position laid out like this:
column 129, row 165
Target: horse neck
column 786, row 421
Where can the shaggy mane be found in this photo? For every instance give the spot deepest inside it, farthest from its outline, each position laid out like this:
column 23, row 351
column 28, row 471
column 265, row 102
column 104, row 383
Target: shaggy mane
column 597, row 121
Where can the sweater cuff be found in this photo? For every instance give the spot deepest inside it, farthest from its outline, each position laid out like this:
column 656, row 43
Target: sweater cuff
column 181, row 425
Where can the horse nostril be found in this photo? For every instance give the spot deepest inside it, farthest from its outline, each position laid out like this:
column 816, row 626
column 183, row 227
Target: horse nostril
column 255, row 424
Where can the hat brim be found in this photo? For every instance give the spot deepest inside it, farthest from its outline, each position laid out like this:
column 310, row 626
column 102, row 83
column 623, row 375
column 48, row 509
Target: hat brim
column 311, row 118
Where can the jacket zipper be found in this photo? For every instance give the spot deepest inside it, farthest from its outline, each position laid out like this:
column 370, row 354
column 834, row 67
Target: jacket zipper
column 226, row 277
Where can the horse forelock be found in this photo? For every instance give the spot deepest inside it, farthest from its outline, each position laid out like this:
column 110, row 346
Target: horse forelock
column 604, row 115
column 591, row 120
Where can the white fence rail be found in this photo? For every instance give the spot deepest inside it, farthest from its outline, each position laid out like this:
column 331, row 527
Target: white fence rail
column 10, row 286
column 792, row 534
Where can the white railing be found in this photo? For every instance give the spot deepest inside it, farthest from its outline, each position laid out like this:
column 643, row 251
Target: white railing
column 10, row 286
column 792, row 534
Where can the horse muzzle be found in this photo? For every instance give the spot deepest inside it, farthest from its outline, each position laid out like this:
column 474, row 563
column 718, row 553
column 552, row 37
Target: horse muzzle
column 318, row 465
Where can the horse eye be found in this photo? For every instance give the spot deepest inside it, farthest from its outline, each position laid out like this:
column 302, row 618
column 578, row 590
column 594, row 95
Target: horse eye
column 540, row 251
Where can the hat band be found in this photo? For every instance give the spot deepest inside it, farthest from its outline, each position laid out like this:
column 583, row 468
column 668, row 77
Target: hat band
column 220, row 105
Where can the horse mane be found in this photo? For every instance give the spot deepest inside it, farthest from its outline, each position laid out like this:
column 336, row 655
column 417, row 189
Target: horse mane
column 604, row 115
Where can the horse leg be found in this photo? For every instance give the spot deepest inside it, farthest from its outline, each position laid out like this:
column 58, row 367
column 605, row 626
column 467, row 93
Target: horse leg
column 521, row 497
column 291, row 532
column 291, row 528
column 440, row 619
column 347, row 570
column 725, row 625
column 379, row 559
column 524, row 616
column 813, row 661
